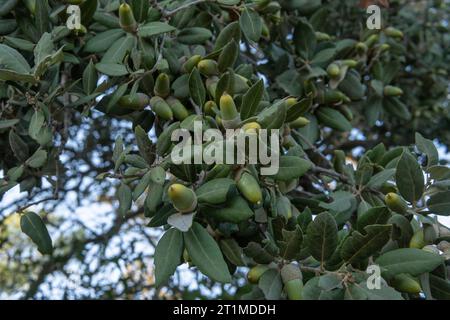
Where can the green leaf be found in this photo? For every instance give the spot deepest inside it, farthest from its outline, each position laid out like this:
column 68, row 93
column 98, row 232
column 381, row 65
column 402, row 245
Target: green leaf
column 236, row 210
column 43, row 48
column 112, row 69
column 251, row 100
column 408, row 260
column 251, row 24
column 11, row 59
column 298, row 109
column 145, row 145
column 154, row 28
column 439, row 203
column 102, row 41
column 38, row 159
column 258, row 253
column 322, row 237
column 409, row 178
column 358, row 247
column 206, row 254
column 305, row 39
column 291, row 244
column 273, row 117
column 140, row 9
column 428, row 148
column 440, row 288
column 117, row 52
column 90, row 78
column 194, row 35
column 197, row 88
column 42, row 15
column 232, row 251
column 36, row 123
column 4, row 124
column 125, row 197
column 375, row 215
column 215, row 191
column 18, row 146
column 270, row 283
column 32, row 225
column 381, row 177
column 291, row 168
column 342, row 201
column 168, row 254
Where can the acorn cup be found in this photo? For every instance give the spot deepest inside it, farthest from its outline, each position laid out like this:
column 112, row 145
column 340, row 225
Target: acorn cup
column 183, row 198
column 136, row 101
column 126, row 18
column 229, row 114
column 392, row 91
column 208, row 67
column 178, row 109
column 161, row 108
column 292, row 279
column 405, row 283
column 162, row 86
column 250, row 189
column 396, row 203
column 191, row 63
column 256, row 272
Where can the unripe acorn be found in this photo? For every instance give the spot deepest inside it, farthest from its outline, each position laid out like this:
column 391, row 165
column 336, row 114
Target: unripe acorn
column 126, row 18
column 371, row 40
column 136, row 101
column 256, row 272
column 250, row 188
column 384, row 47
column 300, row 122
column 350, row 63
column 392, row 91
column 393, row 32
column 182, row 198
column 361, row 47
column 161, row 108
column 208, row 67
column 292, row 279
column 251, row 127
column 229, row 114
column 191, row 63
column 291, row 102
column 417, row 240
column 339, row 161
column 396, row 203
column 405, row 283
column 333, row 70
column 209, row 106
column 178, row 109
column 162, row 86
column 320, row 36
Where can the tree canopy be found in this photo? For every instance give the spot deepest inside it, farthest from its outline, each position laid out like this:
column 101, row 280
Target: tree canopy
column 93, row 205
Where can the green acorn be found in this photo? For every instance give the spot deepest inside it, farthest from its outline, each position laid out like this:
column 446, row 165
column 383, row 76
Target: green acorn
column 417, row 240
column 371, row 40
column 350, row 63
column 256, row 272
column 384, row 47
column 161, row 108
column 162, row 85
column 136, row 101
column 339, row 161
column 229, row 114
column 191, row 63
column 392, row 91
column 320, row 36
column 209, row 107
column 292, row 279
column 396, row 203
column 178, row 109
column 405, row 283
column 361, row 47
column 250, row 188
column 126, row 18
column 393, row 32
column 208, row 67
column 333, row 71
column 251, row 127
column 182, row 198
column 300, row 122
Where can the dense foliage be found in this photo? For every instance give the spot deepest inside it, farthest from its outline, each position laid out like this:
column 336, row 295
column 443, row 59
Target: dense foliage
column 88, row 110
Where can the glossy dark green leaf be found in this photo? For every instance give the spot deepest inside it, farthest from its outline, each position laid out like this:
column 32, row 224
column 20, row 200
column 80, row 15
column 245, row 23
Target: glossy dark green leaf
column 197, row 88
column 322, row 237
column 251, row 100
column 168, row 254
column 32, row 225
column 251, row 24
column 271, row 284
column 409, row 178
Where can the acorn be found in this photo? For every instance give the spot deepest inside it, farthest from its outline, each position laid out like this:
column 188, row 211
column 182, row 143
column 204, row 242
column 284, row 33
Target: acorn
column 182, row 198
column 208, row 67
column 405, row 283
column 396, row 203
column 392, row 91
column 126, row 18
column 393, row 32
column 161, row 108
column 339, row 161
column 321, row 36
column 371, row 40
column 361, row 47
column 178, row 109
column 300, row 122
column 250, row 189
column 136, row 101
column 417, row 240
column 251, row 127
column 291, row 102
column 229, row 114
column 191, row 63
column 162, row 85
column 292, row 279
column 350, row 63
column 256, row 272
column 333, row 71
column 209, row 107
